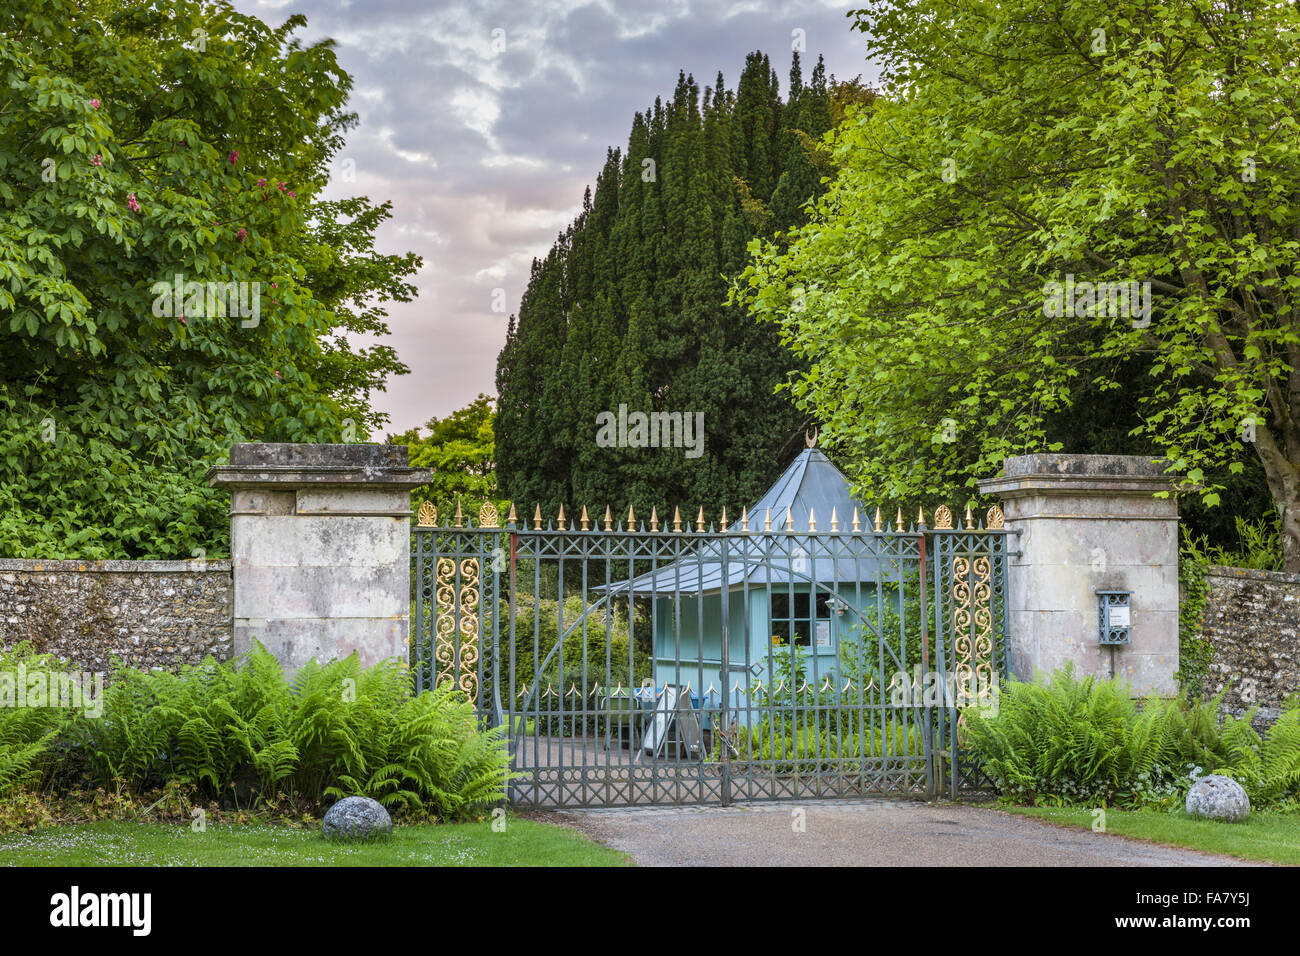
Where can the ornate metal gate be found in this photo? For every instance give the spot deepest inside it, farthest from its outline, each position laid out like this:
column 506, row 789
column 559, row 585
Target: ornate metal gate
column 637, row 664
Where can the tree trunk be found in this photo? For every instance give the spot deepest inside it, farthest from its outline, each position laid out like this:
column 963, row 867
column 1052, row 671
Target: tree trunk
column 1284, row 484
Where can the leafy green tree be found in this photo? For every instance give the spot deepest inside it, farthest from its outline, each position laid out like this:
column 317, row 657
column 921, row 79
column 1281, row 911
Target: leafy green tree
column 460, row 450
column 144, row 146
column 1024, row 144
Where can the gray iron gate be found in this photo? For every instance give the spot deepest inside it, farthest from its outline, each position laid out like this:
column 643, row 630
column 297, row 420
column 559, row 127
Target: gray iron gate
column 637, row 664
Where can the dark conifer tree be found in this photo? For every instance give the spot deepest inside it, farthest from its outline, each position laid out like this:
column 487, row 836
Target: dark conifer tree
column 629, row 307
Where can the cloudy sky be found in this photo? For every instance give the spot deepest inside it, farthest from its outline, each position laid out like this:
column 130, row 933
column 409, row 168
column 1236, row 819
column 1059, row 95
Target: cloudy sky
column 483, row 122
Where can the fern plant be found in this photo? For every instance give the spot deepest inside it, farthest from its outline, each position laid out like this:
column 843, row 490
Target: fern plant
column 334, row 730
column 1078, row 741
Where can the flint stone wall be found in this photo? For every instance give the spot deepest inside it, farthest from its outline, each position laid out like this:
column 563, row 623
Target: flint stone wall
column 148, row 614
column 1252, row 620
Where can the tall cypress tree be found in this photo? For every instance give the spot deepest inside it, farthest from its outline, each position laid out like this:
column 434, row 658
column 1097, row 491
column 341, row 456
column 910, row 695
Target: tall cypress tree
column 629, row 307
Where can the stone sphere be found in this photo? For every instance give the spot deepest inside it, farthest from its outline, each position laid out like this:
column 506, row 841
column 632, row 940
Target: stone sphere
column 357, row 818
column 1218, row 798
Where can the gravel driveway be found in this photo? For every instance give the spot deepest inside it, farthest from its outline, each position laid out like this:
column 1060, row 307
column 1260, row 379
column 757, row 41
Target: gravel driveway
column 868, row 832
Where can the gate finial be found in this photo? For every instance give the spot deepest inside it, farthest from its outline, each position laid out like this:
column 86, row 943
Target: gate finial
column 609, row 519
column 744, row 519
column 677, row 518
column 699, row 521
column 767, row 520
column 654, row 518
column 512, row 519
column 561, row 517
column 631, row 519
column 920, row 518
column 970, row 521
column 900, row 517
column 789, row 520
column 835, row 521
column 460, row 515
column 586, row 522
column 427, row 515
column 724, row 518
column 880, row 526
column 812, row 519
column 537, row 518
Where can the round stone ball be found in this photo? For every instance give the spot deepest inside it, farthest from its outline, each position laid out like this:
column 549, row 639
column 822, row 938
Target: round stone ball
column 357, row 819
column 1218, row 798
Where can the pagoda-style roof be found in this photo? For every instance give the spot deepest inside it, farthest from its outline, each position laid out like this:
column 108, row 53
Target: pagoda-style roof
column 811, row 487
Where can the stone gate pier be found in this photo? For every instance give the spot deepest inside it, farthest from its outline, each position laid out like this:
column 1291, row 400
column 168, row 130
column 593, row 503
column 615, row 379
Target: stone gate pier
column 320, row 544
column 1088, row 524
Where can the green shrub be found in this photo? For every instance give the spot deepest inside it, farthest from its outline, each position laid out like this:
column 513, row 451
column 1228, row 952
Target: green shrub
column 1086, row 742
column 811, row 747
column 246, row 734
column 26, row 733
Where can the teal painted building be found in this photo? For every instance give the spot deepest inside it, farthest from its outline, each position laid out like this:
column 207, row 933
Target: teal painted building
column 810, row 590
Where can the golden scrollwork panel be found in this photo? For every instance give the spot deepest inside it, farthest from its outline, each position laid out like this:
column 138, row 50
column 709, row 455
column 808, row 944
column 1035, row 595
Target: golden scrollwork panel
column 972, row 622
column 457, row 617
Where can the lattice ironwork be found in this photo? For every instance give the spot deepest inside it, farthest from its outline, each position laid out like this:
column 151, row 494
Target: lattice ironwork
column 623, row 677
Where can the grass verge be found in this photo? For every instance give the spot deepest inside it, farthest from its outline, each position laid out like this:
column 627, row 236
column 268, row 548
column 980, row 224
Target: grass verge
column 116, row 843
column 1266, row 836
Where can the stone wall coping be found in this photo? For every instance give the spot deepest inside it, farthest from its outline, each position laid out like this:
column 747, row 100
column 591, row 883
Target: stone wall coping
column 1099, row 475
column 327, row 476
column 192, row 566
column 304, row 454
column 1271, row 577
column 287, row 465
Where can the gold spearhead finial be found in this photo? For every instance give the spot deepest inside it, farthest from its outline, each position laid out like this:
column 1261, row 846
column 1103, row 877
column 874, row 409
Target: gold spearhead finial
column 970, row 521
column 900, row 517
column 677, row 518
column 724, row 517
column 835, row 521
column 654, row 518
column 789, row 520
column 512, row 518
column 767, row 520
column 812, row 519
column 561, row 517
column 586, row 522
column 744, row 519
column 699, row 521
column 460, row 516
column 631, row 519
column 920, row 517
column 880, row 525
column 857, row 525
column 609, row 519
column 537, row 518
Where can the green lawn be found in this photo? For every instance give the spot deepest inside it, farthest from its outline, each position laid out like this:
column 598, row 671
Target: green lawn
column 1271, row 837
column 522, row 843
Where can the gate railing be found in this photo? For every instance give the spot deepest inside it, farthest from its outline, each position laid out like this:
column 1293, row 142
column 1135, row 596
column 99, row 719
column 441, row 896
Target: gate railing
column 840, row 662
